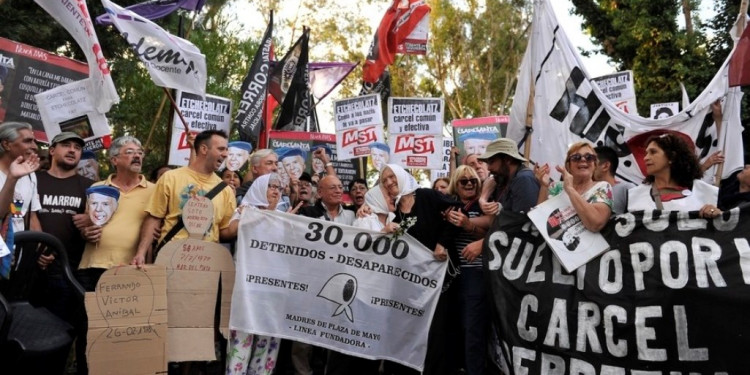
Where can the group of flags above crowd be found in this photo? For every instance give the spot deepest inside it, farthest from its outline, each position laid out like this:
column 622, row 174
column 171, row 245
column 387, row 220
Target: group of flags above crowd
column 554, row 95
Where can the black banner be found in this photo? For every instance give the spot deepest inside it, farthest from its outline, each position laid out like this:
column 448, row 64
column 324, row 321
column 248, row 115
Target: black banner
column 296, row 105
column 249, row 119
column 671, row 296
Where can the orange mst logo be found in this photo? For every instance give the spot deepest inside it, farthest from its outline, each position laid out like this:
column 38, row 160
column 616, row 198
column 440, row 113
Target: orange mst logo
column 359, row 136
column 416, row 144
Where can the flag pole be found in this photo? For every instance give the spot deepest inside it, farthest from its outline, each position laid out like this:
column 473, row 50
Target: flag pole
column 741, row 24
column 176, row 109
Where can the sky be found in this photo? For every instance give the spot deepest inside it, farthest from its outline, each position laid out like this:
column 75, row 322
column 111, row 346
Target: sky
column 596, row 64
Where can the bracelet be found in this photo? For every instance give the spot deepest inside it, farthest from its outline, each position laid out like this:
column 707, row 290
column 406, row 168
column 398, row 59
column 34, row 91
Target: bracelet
column 329, row 164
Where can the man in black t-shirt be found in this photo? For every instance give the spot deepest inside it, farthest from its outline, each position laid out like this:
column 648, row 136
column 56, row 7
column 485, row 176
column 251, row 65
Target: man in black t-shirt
column 62, row 194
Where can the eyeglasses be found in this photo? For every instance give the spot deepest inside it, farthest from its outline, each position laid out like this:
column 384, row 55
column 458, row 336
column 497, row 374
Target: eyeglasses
column 132, row 152
column 275, row 187
column 578, row 158
column 465, row 181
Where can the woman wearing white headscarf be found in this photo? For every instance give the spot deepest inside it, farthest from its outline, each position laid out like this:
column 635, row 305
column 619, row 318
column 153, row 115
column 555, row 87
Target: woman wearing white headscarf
column 410, row 202
column 248, row 353
column 381, row 217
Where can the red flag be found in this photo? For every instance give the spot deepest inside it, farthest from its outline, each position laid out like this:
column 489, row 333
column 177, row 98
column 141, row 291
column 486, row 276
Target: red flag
column 739, row 65
column 398, row 22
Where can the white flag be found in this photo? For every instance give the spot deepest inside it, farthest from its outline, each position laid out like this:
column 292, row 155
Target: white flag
column 73, row 15
column 568, row 107
column 172, row 62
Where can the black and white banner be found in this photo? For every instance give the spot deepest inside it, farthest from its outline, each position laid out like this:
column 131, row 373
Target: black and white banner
column 671, row 296
column 359, row 292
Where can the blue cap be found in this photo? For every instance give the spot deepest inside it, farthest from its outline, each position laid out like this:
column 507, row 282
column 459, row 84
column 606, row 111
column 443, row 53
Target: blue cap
column 87, row 154
column 241, row 145
column 104, row 190
column 325, row 147
column 292, row 152
column 477, row 135
column 381, row 146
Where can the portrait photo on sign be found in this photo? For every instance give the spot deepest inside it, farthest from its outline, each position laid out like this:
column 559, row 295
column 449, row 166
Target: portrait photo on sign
column 101, row 203
column 79, row 125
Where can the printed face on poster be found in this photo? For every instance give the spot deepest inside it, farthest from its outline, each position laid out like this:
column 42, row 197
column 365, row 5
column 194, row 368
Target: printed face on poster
column 211, row 113
column 293, row 162
column 472, row 136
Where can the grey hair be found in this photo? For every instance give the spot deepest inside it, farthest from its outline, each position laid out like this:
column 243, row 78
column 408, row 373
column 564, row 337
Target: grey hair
column 258, row 155
column 118, row 143
column 9, row 131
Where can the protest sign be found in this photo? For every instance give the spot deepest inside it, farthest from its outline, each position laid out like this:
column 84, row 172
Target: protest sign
column 664, row 110
column 416, row 151
column 211, row 113
column 670, row 297
column 444, row 171
column 619, row 88
column 127, row 315
column 72, row 107
column 473, row 135
column 416, row 42
column 26, row 71
column 359, row 292
column 346, row 170
column 415, row 115
column 195, row 268
column 359, row 123
column 562, row 228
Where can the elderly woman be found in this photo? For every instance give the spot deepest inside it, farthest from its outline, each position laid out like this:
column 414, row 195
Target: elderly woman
column 409, row 202
column 591, row 200
column 381, row 217
column 471, row 297
column 673, row 179
column 248, row 353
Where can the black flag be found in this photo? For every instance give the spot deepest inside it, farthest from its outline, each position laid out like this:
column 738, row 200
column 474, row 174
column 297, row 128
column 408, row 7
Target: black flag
column 249, row 119
column 290, row 86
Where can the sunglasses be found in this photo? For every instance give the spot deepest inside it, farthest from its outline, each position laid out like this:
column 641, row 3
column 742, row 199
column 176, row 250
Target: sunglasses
column 578, row 157
column 465, row 181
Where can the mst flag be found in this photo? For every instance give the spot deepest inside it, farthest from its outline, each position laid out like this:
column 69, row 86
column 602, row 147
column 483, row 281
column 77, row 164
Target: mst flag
column 568, row 106
column 295, row 107
column 359, row 292
column 671, row 296
column 401, row 18
column 75, row 18
column 249, row 119
column 171, row 61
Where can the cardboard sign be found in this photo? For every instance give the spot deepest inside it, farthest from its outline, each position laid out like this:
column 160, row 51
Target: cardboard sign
column 619, row 88
column 194, row 270
column 198, row 216
column 213, row 113
column 128, row 322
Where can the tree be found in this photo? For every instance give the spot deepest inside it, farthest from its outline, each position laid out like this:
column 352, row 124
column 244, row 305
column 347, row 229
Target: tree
column 643, row 35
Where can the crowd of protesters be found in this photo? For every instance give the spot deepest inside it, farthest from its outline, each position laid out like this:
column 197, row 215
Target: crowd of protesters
column 452, row 219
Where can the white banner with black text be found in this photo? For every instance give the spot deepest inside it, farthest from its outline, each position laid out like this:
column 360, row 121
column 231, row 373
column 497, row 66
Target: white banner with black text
column 359, row 292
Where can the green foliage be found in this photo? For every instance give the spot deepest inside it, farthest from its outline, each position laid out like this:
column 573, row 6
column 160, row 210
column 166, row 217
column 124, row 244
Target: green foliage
column 643, row 35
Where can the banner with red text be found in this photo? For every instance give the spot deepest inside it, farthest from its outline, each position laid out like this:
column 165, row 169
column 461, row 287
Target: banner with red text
column 359, row 123
column 211, row 113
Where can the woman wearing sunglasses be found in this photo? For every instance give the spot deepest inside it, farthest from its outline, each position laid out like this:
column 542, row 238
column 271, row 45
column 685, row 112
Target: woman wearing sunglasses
column 673, row 179
column 591, row 200
column 470, row 294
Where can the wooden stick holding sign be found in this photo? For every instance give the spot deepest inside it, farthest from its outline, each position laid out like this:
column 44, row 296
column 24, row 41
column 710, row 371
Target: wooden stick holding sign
column 176, row 109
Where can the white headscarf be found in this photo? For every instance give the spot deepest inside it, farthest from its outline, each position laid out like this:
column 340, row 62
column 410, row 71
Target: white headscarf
column 376, row 200
column 256, row 196
column 407, row 184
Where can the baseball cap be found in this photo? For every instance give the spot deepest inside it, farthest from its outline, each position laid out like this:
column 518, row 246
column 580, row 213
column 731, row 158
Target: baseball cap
column 67, row 136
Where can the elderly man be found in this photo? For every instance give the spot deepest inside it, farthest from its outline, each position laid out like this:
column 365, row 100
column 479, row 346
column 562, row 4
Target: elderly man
column 294, row 162
column 475, row 143
column 237, row 155
column 380, row 154
column 88, row 166
column 17, row 141
column 114, row 244
column 178, row 185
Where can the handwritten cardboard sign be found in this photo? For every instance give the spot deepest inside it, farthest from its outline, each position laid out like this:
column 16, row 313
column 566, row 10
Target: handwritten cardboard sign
column 198, row 216
column 128, row 322
column 194, row 270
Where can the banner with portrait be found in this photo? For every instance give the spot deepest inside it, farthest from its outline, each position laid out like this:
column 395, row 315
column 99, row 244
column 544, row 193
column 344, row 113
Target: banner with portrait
column 346, row 170
column 211, row 113
column 670, row 296
column 472, row 135
column 359, row 292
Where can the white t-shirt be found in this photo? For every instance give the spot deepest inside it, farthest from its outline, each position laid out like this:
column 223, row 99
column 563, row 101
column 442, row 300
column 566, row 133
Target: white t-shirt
column 25, row 195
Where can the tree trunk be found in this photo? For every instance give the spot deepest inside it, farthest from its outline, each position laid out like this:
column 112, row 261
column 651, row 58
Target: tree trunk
column 686, row 11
